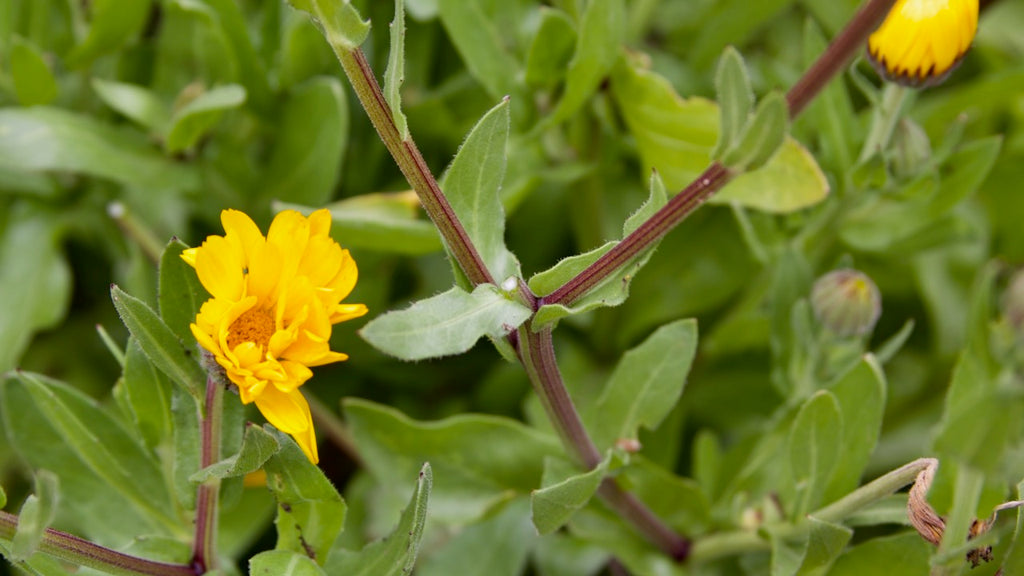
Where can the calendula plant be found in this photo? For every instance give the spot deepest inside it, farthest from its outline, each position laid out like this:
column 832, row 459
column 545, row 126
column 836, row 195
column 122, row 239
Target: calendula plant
column 580, row 184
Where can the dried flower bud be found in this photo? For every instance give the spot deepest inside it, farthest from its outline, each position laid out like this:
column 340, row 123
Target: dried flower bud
column 846, row 302
column 921, row 514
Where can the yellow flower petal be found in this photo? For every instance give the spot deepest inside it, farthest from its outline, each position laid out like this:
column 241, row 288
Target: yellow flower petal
column 289, row 413
column 921, row 41
column 219, row 269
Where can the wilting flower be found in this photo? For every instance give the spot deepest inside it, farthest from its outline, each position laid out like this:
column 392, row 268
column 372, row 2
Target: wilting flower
column 274, row 300
column 921, row 41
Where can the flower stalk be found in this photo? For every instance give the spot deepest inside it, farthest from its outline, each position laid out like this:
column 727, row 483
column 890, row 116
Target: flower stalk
column 203, row 551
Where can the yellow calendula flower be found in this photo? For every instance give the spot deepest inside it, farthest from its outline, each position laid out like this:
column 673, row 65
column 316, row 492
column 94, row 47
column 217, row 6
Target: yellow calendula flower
column 921, row 41
column 274, row 301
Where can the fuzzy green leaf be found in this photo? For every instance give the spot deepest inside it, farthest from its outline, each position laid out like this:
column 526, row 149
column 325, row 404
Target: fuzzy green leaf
column 394, row 74
column 145, row 394
column 180, row 293
column 762, row 137
column 394, row 555
column 140, row 105
column 552, row 506
column 37, row 512
column 161, row 345
column 338, row 20
column 283, row 563
column 196, row 118
column 814, row 448
column 449, row 323
column 656, row 200
column 33, row 81
column 258, row 446
column 861, row 394
column 735, row 100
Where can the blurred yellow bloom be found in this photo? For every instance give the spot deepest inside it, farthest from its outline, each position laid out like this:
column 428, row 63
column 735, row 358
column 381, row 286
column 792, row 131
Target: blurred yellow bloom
column 921, row 41
column 274, row 301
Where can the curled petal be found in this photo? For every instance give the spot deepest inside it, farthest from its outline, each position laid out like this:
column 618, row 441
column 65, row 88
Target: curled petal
column 289, row 413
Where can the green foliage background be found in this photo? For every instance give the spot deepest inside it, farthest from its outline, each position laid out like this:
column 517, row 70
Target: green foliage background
column 175, row 109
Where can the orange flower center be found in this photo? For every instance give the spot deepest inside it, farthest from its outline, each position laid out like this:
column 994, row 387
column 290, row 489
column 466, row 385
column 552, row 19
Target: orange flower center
column 255, row 325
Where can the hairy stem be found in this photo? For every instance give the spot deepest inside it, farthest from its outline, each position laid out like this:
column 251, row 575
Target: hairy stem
column 81, row 552
column 203, row 551
column 835, row 57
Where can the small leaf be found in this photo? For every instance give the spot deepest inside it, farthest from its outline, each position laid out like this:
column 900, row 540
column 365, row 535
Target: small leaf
column 646, row 384
column 196, row 118
column 283, row 563
column 814, row 448
column 393, row 555
column 114, row 24
column 33, row 81
column 735, row 100
column 140, row 105
column 449, row 323
column 146, row 394
column 160, row 344
column 763, row 136
column 471, row 185
column 553, row 506
column 258, row 446
column 310, row 512
column 472, row 30
column 394, row 74
column 180, row 293
column 35, row 516
column 338, row 21
column 185, row 422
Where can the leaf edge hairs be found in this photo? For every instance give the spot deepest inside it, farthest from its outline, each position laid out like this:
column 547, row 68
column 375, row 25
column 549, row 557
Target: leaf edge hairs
column 922, row 41
column 274, row 302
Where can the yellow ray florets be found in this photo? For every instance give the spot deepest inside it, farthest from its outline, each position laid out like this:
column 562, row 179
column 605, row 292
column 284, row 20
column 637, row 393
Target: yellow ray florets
column 921, row 41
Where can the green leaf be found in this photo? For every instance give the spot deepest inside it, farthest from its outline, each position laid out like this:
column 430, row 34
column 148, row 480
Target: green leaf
column 394, row 74
column 146, row 396
column 676, row 135
column 735, row 100
column 196, row 118
column 114, row 24
column 180, row 293
column 140, row 105
column 305, row 163
column 861, row 394
column 50, row 139
column 471, row 185
column 382, row 221
column 160, row 344
column 497, row 546
column 33, row 81
column 602, row 31
column 679, row 502
column 3, row 497
column 552, row 506
column 825, row 542
column 478, row 460
column 905, row 553
column 762, row 137
column 310, row 512
column 36, row 515
column 814, row 448
column 551, row 49
column 258, row 446
column 646, row 384
column 1012, row 564
column 394, row 555
column 283, row 563
column 230, row 21
column 185, row 422
column 657, row 199
column 449, row 323
column 564, row 555
column 475, row 36
column 339, row 22
column 35, row 279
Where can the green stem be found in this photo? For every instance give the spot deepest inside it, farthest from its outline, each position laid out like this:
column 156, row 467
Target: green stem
column 966, row 494
column 203, row 545
column 81, row 552
column 884, row 119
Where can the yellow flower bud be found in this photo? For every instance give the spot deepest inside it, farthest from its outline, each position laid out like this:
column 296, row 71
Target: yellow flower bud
column 921, row 41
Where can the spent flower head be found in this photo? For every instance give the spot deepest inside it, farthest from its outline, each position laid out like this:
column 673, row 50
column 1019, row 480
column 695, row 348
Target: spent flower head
column 921, row 41
column 274, row 301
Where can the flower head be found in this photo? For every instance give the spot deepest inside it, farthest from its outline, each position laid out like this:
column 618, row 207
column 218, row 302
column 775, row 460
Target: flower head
column 921, row 41
column 274, row 301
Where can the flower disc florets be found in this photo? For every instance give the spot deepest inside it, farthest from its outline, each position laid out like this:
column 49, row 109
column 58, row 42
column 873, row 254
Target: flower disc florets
column 274, row 301
column 921, row 41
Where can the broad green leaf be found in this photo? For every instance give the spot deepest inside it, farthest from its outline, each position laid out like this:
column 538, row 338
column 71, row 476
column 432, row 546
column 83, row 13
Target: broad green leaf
column 551, row 49
column 552, row 506
column 338, row 21
column 37, row 512
column 258, row 446
column 478, row 460
column 196, row 118
column 384, row 222
column 394, row 74
column 861, row 394
column 449, row 323
column 602, row 31
column 735, row 99
column 814, row 448
column 646, row 384
column 825, row 542
column 472, row 183
column 146, row 396
column 497, row 546
column 479, row 43
column 675, row 136
column 35, row 279
column 305, row 163
column 905, row 553
column 101, row 444
column 33, row 81
column 160, row 344
column 310, row 512
column 180, row 293
column 51, row 139
column 762, row 138
column 283, row 563
column 394, row 555
column 114, row 24
column 139, row 104
column 679, row 502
